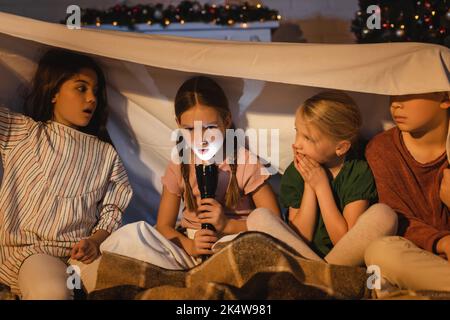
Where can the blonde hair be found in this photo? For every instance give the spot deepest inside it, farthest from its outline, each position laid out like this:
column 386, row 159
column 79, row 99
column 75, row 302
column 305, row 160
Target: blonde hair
column 334, row 113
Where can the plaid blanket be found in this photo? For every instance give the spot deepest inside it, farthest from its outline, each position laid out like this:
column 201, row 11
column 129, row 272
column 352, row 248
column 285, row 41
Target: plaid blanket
column 252, row 266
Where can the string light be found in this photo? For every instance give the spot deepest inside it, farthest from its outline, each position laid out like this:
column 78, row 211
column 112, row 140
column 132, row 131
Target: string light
column 400, row 33
column 193, row 11
column 423, row 21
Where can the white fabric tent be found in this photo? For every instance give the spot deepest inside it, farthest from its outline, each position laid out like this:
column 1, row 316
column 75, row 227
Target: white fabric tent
column 265, row 83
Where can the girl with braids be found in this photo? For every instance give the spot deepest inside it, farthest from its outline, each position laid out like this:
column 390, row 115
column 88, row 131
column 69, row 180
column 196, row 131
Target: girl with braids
column 241, row 188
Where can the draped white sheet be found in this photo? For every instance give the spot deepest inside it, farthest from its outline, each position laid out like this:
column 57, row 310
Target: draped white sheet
column 265, row 83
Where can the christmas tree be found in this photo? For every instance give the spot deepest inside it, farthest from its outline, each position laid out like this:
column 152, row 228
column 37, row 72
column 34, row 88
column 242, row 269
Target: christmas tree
column 403, row 20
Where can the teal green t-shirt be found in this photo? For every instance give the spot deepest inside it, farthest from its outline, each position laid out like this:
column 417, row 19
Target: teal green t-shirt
column 354, row 182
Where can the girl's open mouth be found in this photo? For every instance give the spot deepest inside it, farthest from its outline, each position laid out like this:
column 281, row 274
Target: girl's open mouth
column 400, row 119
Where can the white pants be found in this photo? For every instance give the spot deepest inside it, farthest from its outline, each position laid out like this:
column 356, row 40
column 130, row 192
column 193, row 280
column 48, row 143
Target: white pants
column 407, row 266
column 141, row 241
column 378, row 221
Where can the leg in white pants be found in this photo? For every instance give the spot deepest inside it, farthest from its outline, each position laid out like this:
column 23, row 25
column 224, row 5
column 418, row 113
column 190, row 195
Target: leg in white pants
column 143, row 242
column 44, row 277
column 378, row 221
column 263, row 220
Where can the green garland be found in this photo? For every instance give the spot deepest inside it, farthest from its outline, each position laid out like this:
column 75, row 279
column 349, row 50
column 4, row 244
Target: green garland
column 186, row 11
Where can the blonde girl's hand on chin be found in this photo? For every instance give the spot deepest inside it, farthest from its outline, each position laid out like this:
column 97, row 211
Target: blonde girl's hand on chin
column 312, row 172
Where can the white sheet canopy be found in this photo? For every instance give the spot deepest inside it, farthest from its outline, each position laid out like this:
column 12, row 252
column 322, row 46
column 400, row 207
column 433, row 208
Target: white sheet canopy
column 265, row 83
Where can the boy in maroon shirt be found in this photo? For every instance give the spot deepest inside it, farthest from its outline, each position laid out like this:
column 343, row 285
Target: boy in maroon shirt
column 412, row 175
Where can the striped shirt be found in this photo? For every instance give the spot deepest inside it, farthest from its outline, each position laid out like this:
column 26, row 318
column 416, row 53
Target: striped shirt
column 59, row 186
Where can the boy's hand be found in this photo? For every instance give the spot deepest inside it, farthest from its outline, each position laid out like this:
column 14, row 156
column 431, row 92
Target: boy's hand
column 443, row 247
column 212, row 212
column 444, row 191
column 202, row 243
column 86, row 251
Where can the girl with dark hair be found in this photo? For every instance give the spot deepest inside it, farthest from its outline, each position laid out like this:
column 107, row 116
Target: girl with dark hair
column 55, row 68
column 64, row 187
column 241, row 188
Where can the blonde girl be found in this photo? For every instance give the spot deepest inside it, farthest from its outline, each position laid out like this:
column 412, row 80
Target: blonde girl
column 328, row 190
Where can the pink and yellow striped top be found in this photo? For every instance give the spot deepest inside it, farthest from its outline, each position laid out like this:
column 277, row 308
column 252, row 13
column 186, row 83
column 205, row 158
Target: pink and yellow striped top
column 59, row 186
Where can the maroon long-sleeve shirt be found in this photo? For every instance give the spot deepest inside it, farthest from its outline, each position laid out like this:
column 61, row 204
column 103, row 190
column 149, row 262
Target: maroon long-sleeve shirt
column 410, row 188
